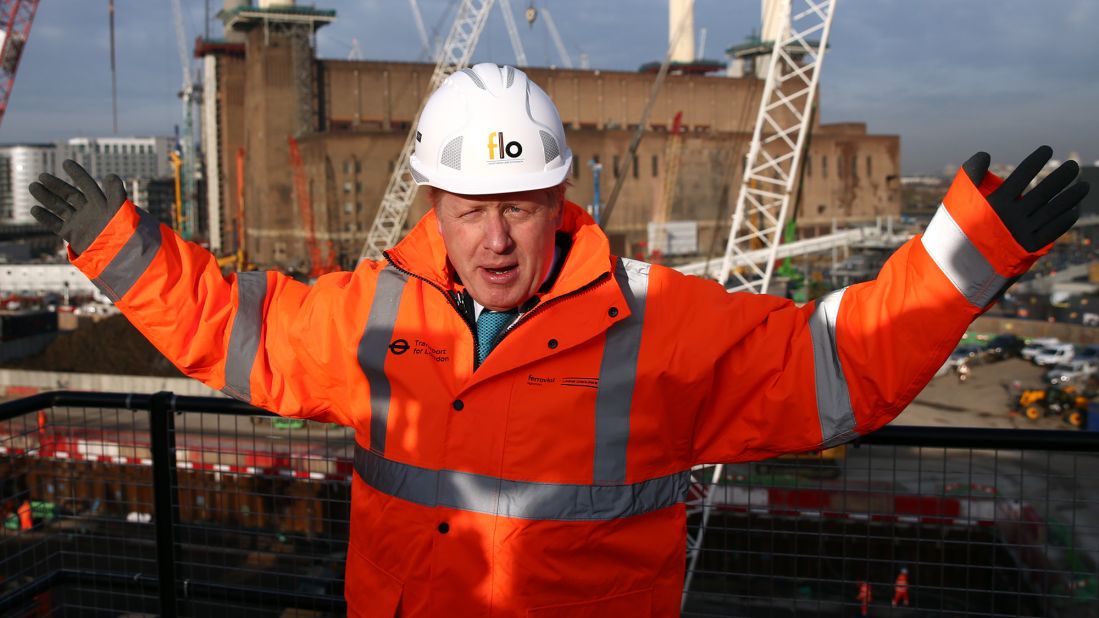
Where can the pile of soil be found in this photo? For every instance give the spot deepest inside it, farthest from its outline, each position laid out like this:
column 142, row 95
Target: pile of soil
column 111, row 345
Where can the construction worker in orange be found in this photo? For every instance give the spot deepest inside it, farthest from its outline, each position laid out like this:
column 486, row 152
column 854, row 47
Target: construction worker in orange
column 528, row 406
column 900, row 588
column 26, row 517
column 864, row 597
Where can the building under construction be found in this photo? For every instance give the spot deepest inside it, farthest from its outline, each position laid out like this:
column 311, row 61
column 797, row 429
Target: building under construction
column 349, row 119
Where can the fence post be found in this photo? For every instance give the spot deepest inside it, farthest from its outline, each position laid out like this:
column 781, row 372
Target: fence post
column 165, row 514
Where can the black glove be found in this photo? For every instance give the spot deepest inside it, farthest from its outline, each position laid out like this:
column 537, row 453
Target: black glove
column 1047, row 211
column 77, row 215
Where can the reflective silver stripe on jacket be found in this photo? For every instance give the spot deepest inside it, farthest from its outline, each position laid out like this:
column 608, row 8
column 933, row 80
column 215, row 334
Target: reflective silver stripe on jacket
column 132, row 260
column 960, row 260
column 837, row 418
column 520, row 499
column 244, row 334
column 374, row 345
column 618, row 374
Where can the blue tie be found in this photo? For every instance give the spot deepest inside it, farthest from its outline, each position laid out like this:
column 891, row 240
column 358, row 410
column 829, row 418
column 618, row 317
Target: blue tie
column 489, row 325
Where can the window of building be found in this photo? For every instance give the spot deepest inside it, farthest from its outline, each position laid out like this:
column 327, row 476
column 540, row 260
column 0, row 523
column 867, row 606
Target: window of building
column 824, row 166
column 348, row 207
column 854, row 166
column 615, row 166
column 839, row 167
column 869, row 165
column 656, row 166
column 358, row 187
column 346, row 167
column 635, row 167
column 347, row 186
column 809, row 165
column 575, row 166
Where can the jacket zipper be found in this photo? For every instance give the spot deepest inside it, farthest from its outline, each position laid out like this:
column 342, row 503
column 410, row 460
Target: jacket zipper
column 449, row 299
column 523, row 318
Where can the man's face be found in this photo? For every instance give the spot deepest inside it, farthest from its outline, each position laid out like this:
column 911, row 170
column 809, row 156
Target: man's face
column 501, row 245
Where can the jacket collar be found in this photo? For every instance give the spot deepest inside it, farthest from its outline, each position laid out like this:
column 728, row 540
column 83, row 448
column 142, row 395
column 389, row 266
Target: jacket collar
column 423, row 253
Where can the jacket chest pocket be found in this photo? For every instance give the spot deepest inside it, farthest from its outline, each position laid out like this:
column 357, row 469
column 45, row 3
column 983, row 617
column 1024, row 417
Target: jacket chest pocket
column 550, row 424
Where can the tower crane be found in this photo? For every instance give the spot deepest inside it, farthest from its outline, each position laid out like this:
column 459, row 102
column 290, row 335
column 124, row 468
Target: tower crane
column 401, row 190
column 513, row 34
column 532, row 14
column 769, row 181
column 16, row 17
column 188, row 147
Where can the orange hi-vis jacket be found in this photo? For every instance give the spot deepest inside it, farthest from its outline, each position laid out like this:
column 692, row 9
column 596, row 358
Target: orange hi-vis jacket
column 550, row 481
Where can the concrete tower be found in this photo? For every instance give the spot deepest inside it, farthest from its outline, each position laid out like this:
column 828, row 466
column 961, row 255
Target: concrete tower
column 280, row 96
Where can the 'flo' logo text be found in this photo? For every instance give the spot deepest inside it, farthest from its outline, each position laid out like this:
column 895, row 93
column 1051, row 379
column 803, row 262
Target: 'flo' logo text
column 498, row 149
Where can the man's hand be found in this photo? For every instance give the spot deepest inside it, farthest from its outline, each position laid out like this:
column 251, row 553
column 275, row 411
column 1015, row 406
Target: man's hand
column 77, row 214
column 1047, row 211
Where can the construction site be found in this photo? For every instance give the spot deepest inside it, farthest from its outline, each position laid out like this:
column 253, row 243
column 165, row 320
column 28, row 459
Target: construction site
column 288, row 135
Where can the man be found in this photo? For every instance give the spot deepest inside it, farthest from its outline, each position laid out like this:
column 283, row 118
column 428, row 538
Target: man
column 864, row 597
column 527, row 406
column 900, row 588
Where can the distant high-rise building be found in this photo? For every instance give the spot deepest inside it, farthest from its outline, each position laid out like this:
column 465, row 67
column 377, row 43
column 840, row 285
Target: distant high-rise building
column 20, row 165
column 129, row 157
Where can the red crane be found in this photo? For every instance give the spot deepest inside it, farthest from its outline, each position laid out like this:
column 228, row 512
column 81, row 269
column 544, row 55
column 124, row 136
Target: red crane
column 305, row 205
column 15, row 21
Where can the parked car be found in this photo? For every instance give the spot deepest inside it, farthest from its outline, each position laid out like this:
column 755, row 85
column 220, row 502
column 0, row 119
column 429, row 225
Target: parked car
column 1070, row 371
column 969, row 354
column 1037, row 345
column 1089, row 353
column 1055, row 354
column 1004, row 346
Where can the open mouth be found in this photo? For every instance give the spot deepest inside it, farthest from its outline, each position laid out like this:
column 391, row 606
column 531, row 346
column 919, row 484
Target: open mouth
column 502, row 270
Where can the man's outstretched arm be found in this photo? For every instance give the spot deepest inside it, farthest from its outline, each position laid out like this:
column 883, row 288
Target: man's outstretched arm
column 259, row 336
column 798, row 378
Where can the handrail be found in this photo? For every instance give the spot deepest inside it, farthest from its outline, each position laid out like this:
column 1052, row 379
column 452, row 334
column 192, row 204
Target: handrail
column 890, row 435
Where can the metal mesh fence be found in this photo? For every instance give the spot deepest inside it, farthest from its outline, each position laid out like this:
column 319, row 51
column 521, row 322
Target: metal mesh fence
column 976, row 531
column 251, row 519
column 258, row 517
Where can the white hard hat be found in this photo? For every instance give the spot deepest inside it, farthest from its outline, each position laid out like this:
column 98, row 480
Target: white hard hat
column 489, row 129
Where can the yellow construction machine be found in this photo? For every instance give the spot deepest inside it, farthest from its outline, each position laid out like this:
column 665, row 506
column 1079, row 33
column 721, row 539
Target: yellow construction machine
column 1067, row 402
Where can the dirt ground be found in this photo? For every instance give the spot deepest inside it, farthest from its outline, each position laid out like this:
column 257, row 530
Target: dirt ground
column 981, row 401
column 111, row 345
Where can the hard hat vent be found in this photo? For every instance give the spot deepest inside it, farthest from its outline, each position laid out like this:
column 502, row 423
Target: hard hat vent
column 417, row 176
column 452, row 153
column 475, row 77
column 511, row 77
column 549, row 145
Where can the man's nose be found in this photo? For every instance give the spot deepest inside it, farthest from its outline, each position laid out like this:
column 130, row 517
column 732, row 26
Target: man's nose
column 497, row 234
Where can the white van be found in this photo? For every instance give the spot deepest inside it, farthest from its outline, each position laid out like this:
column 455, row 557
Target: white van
column 1055, row 354
column 1037, row 345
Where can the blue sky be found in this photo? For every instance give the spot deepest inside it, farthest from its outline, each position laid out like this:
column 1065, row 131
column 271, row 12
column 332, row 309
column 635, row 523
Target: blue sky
column 949, row 77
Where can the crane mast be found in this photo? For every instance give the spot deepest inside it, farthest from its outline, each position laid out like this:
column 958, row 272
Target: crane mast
column 401, row 190
column 769, row 181
column 188, row 148
column 774, row 156
column 16, row 17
